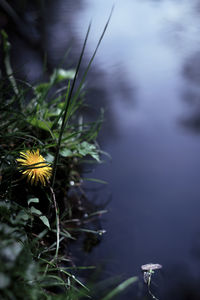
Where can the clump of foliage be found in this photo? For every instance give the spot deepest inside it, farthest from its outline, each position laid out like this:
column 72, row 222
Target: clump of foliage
column 41, row 127
column 42, row 124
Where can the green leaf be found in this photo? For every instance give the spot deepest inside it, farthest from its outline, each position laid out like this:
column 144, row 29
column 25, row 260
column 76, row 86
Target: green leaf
column 39, row 214
column 120, row 288
column 53, row 113
column 35, row 211
column 45, row 125
column 22, row 215
column 49, row 158
column 33, row 200
column 45, row 221
column 61, row 74
column 66, row 152
column 95, row 155
column 41, row 88
column 86, row 148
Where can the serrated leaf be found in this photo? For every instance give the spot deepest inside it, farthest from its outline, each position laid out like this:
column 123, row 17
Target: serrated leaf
column 86, row 148
column 45, row 221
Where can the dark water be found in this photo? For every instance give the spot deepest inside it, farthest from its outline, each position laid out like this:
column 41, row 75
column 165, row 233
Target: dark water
column 154, row 175
column 147, row 75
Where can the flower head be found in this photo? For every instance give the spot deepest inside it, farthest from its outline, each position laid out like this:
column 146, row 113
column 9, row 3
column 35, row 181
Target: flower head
column 35, row 167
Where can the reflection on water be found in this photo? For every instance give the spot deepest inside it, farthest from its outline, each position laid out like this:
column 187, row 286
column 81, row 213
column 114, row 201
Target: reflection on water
column 155, row 169
column 147, row 66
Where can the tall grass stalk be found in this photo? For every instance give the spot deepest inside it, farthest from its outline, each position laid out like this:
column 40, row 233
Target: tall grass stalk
column 65, row 118
column 69, row 99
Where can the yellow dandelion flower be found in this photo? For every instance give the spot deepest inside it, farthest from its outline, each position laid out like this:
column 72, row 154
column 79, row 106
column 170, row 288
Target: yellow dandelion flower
column 35, row 167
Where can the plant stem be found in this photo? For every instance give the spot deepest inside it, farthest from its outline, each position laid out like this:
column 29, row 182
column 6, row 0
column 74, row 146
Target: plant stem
column 57, row 223
column 66, row 110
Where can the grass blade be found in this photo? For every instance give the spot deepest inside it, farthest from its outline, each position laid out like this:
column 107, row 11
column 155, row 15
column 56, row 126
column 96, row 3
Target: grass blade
column 68, row 100
column 120, row 288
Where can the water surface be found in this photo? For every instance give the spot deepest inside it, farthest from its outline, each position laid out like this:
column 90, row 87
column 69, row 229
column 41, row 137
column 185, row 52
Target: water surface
column 151, row 59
